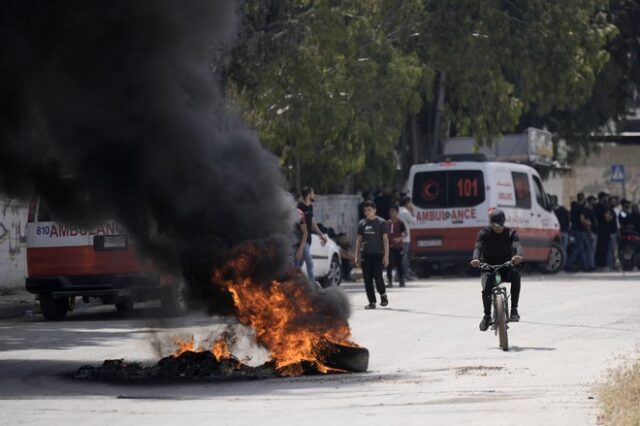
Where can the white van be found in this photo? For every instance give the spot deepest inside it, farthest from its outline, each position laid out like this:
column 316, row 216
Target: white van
column 453, row 200
column 65, row 261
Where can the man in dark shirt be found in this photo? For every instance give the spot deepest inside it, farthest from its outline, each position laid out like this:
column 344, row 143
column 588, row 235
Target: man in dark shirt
column 372, row 252
column 564, row 221
column 308, row 196
column 625, row 218
column 497, row 244
column 603, row 217
column 579, row 223
column 592, row 230
column 613, row 232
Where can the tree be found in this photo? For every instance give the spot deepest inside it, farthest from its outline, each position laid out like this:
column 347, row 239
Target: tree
column 329, row 84
column 615, row 91
column 502, row 58
column 335, row 103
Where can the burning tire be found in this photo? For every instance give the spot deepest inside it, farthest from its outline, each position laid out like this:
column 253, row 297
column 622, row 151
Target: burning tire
column 347, row 358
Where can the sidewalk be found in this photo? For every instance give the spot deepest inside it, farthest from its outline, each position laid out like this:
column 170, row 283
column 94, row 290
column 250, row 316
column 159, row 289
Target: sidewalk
column 16, row 304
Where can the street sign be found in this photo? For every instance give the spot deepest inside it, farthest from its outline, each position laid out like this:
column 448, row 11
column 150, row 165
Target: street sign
column 617, row 173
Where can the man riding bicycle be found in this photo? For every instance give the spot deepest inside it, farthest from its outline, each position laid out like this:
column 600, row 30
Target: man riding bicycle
column 497, row 244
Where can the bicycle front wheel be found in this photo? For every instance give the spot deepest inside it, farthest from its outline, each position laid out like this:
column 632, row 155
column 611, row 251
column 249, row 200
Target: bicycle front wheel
column 501, row 321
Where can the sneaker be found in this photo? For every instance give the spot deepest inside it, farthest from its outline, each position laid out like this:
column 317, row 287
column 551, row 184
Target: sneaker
column 383, row 300
column 484, row 324
column 370, row 306
column 514, row 316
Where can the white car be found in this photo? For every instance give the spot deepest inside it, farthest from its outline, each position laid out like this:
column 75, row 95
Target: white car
column 327, row 265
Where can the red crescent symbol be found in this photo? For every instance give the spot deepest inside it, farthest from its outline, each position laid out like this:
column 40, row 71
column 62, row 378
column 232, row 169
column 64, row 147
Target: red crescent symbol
column 430, row 190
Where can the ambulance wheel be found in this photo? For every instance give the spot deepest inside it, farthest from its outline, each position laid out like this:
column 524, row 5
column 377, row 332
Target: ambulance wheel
column 125, row 305
column 556, row 261
column 422, row 269
column 54, row 309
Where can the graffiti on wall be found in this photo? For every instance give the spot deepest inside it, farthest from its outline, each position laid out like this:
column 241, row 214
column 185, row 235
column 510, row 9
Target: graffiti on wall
column 13, row 229
column 13, row 241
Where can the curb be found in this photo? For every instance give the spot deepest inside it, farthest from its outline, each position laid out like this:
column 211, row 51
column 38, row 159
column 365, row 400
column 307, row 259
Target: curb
column 17, row 310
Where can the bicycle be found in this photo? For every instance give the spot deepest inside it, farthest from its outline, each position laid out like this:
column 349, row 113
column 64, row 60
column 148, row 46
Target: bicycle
column 499, row 302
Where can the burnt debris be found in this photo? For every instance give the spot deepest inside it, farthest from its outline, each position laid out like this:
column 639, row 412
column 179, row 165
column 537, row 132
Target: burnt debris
column 192, row 366
column 188, row 366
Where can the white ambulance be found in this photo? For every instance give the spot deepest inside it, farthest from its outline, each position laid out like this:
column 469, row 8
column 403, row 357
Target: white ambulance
column 452, row 201
column 65, row 261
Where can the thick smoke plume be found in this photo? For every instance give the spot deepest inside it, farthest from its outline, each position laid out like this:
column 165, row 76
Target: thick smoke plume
column 123, row 96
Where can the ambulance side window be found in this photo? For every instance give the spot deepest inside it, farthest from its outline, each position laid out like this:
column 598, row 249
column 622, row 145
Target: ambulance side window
column 43, row 213
column 541, row 197
column 522, row 190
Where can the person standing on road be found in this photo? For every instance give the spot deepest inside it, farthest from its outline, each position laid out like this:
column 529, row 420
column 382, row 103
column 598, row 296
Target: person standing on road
column 308, row 196
column 372, row 253
column 497, row 244
column 397, row 231
column 579, row 230
column 300, row 232
column 406, row 215
column 612, row 254
column 563, row 220
column 603, row 218
column 592, row 234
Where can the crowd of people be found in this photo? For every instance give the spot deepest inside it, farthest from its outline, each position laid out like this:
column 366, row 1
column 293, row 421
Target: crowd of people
column 382, row 242
column 590, row 232
column 591, row 229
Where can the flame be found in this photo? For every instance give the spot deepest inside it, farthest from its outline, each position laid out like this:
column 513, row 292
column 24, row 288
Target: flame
column 220, row 349
column 287, row 320
column 184, row 346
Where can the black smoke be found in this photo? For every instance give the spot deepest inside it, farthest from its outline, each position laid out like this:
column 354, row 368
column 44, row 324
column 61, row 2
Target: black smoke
column 124, row 96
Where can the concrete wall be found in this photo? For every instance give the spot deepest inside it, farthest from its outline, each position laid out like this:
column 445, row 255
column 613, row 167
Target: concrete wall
column 591, row 175
column 13, row 226
column 339, row 212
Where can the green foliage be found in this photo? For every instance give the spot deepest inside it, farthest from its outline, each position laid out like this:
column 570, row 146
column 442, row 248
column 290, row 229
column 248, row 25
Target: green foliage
column 329, row 84
column 337, row 101
column 502, row 57
column 616, row 88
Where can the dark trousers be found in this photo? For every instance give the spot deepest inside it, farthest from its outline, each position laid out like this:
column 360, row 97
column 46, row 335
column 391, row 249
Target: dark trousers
column 488, row 282
column 372, row 270
column 580, row 251
column 347, row 266
column 602, row 248
column 395, row 261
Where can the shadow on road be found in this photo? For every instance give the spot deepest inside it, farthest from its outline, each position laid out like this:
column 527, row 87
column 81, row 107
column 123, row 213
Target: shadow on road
column 530, row 348
column 92, row 328
column 21, row 378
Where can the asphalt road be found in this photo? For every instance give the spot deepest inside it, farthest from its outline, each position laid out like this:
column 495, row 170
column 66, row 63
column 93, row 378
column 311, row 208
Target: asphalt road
column 429, row 363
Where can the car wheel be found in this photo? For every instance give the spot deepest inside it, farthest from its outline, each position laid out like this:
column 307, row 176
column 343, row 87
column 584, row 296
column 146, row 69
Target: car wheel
column 422, row 269
column 54, row 309
column 556, row 260
column 125, row 305
column 334, row 277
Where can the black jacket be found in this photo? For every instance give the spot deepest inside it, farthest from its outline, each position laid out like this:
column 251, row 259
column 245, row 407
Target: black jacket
column 496, row 248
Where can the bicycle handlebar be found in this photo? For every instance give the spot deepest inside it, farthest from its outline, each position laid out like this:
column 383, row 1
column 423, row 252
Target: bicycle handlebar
column 495, row 268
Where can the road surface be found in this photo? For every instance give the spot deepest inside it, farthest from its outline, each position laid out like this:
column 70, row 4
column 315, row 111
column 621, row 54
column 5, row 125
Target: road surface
column 429, row 363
